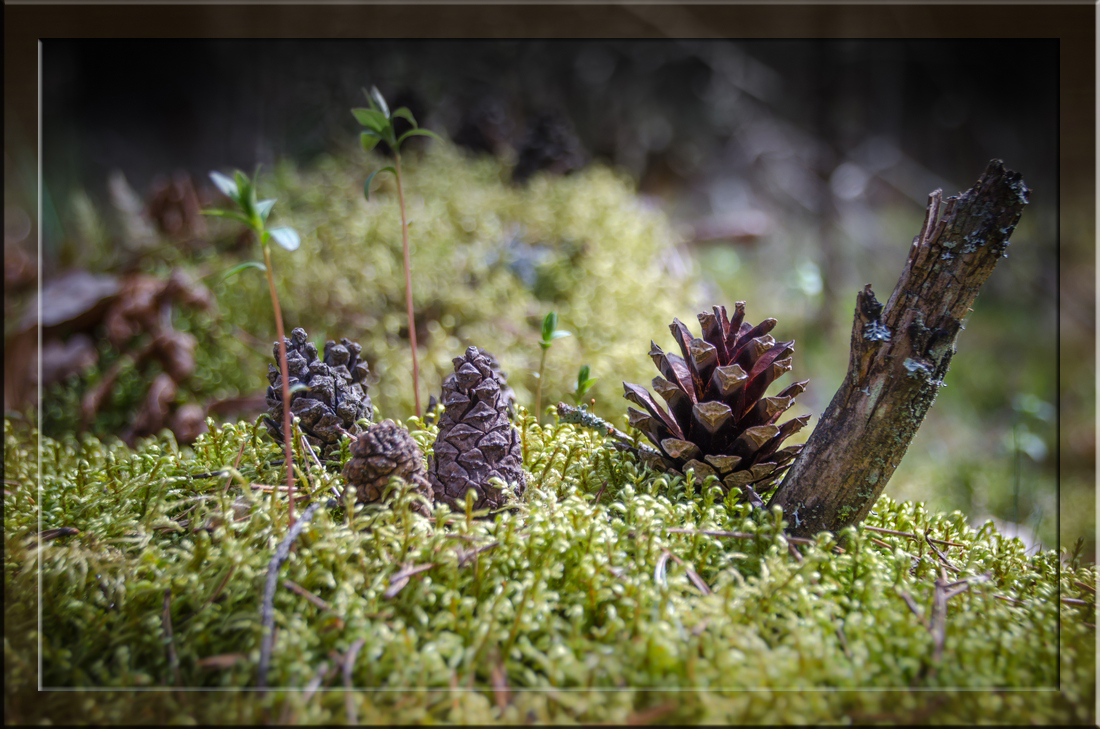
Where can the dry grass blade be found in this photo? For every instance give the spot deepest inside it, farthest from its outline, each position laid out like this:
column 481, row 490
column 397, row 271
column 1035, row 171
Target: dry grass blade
column 48, row 534
column 219, row 662
column 744, row 535
column 349, row 664
column 169, row 639
column 267, row 612
column 299, row 590
column 499, row 681
column 398, row 580
column 940, row 555
column 910, row 535
column 659, row 569
column 937, row 619
column 236, row 465
column 694, row 576
column 315, row 682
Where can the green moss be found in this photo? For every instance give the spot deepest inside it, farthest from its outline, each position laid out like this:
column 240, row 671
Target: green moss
column 567, row 597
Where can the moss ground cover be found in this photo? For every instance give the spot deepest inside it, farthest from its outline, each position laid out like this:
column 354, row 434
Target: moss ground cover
column 606, row 593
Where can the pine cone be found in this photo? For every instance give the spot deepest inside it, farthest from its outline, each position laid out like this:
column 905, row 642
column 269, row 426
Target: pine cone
column 385, row 450
column 475, row 442
column 507, row 395
column 334, row 396
column 719, row 421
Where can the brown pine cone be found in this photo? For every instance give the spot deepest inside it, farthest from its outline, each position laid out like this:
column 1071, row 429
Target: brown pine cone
column 385, row 450
column 334, row 395
column 476, row 441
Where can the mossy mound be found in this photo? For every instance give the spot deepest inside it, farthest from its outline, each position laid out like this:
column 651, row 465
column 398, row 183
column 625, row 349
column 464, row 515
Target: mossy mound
column 608, row 593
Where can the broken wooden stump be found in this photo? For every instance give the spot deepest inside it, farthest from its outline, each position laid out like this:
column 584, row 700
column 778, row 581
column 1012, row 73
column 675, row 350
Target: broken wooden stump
column 899, row 356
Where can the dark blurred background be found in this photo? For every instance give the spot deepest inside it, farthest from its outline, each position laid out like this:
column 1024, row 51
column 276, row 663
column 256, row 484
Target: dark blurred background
column 797, row 171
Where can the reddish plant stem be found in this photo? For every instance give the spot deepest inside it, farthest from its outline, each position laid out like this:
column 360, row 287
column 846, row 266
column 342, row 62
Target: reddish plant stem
column 408, row 280
column 281, row 339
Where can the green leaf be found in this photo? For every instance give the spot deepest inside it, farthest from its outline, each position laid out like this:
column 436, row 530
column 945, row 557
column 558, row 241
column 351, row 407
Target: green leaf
column 233, row 214
column 548, row 324
column 226, row 185
column 420, row 132
column 246, row 196
column 366, row 185
column 582, row 377
column 263, row 208
column 404, row 113
column 242, row 266
column 371, row 119
column 368, row 141
column 377, row 97
column 286, row 237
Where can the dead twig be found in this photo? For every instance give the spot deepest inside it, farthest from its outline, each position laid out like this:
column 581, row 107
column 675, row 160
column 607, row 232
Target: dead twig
column 912, row 536
column 940, row 555
column 315, row 682
column 744, row 535
column 694, row 576
column 267, row 612
column 236, row 464
column 317, row 461
column 399, row 579
column 299, row 590
column 47, row 535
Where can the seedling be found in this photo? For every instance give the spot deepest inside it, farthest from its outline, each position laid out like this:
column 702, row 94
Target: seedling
column 584, row 383
column 378, row 120
column 550, row 332
column 253, row 214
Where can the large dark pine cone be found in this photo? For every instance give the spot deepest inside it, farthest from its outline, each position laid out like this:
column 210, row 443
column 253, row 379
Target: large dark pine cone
column 507, row 394
column 476, row 441
column 383, row 451
column 719, row 421
column 334, row 395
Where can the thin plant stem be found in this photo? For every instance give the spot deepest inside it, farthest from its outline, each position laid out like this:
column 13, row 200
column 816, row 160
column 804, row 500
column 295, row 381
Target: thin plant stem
column 281, row 339
column 408, row 280
column 538, row 387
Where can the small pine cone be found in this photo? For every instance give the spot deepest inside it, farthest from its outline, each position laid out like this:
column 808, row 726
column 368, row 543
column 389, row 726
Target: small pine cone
column 507, row 394
column 385, row 450
column 334, row 396
column 476, row 441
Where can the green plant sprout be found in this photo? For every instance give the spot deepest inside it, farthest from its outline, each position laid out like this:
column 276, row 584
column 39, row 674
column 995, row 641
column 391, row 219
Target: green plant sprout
column 378, row 120
column 584, row 383
column 550, row 332
column 253, row 213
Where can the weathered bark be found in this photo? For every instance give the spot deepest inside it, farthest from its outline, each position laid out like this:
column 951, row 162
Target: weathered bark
column 899, row 356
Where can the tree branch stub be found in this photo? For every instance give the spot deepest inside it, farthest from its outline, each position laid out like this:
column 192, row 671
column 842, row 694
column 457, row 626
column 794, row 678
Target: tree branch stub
column 900, row 353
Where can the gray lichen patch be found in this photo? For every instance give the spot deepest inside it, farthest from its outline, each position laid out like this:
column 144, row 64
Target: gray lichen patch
column 917, row 368
column 876, row 331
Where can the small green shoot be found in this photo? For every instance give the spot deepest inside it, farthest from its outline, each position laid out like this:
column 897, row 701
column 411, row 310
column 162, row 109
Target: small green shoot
column 378, row 123
column 584, row 383
column 253, row 213
column 550, row 332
